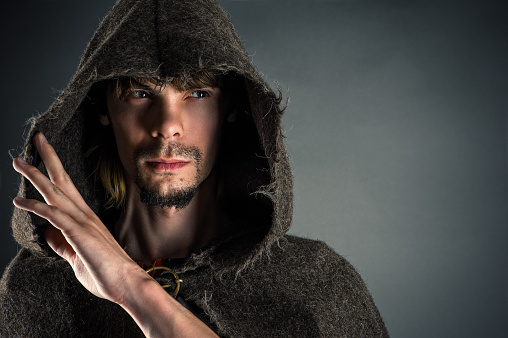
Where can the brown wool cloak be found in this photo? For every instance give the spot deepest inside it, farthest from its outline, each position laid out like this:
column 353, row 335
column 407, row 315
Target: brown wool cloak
column 257, row 282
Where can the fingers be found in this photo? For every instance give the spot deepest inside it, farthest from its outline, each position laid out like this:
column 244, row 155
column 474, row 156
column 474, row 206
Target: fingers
column 57, row 201
column 56, row 190
column 56, row 171
column 50, row 212
column 52, row 194
column 48, row 190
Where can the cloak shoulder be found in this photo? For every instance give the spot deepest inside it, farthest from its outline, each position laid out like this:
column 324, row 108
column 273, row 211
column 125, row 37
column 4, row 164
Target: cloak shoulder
column 41, row 297
column 304, row 289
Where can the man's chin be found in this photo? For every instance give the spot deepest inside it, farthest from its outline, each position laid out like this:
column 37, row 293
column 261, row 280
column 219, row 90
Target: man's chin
column 178, row 199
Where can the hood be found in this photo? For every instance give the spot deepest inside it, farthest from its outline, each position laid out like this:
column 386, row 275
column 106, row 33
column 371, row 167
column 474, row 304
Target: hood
column 164, row 39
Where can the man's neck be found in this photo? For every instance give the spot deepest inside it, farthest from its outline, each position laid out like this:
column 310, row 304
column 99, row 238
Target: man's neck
column 148, row 232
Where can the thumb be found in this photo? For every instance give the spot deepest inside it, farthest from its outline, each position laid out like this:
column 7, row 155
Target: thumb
column 58, row 243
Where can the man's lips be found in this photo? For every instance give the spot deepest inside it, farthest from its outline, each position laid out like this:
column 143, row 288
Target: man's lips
column 163, row 165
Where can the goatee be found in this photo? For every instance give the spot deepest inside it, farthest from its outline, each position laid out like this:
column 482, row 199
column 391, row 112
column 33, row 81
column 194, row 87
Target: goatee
column 151, row 195
column 178, row 199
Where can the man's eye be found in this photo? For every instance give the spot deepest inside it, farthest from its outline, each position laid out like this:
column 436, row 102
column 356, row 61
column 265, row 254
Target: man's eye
column 140, row 94
column 199, row 93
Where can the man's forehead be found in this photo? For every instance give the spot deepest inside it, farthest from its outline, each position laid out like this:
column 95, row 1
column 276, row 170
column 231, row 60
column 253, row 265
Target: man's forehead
column 196, row 81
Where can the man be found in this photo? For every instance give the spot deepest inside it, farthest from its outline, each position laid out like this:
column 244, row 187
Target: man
column 165, row 153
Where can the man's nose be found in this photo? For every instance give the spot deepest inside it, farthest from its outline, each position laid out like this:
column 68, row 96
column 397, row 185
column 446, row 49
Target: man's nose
column 166, row 120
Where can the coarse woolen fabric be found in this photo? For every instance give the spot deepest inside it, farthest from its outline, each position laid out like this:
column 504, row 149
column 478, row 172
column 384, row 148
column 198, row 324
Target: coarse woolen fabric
column 257, row 280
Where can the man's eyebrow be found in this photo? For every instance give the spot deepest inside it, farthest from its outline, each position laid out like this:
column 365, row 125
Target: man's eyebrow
column 149, row 85
column 198, row 87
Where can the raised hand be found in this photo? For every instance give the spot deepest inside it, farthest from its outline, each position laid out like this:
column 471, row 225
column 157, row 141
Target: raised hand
column 98, row 261
column 77, row 234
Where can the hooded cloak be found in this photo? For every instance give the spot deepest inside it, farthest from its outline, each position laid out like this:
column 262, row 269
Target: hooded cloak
column 257, row 281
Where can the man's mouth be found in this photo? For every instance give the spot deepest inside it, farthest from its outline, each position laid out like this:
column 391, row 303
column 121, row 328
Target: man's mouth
column 165, row 165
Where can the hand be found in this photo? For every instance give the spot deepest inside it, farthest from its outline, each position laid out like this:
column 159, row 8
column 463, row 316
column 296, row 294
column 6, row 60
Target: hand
column 76, row 234
column 98, row 261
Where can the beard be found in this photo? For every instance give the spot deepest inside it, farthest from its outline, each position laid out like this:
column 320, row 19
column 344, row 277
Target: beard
column 150, row 194
column 178, row 199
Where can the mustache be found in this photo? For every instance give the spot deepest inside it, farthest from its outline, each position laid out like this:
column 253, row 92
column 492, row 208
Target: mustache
column 167, row 150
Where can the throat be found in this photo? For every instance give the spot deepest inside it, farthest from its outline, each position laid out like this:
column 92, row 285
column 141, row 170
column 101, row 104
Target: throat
column 147, row 232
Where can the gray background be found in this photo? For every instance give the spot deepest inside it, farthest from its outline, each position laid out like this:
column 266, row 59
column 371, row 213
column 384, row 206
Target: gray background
column 396, row 130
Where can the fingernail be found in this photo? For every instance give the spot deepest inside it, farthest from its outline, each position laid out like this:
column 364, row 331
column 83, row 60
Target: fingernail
column 19, row 199
column 43, row 138
column 22, row 160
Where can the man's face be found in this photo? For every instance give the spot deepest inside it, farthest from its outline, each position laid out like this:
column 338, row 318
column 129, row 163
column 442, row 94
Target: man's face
column 167, row 140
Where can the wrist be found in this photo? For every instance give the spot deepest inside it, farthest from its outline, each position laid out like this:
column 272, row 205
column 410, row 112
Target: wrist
column 138, row 287
column 156, row 312
column 145, row 300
